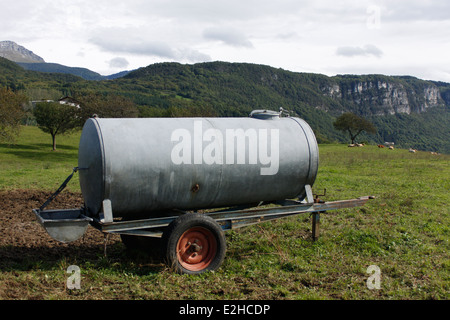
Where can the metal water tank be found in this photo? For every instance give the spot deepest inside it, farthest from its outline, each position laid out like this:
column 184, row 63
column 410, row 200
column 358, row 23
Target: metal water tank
column 145, row 165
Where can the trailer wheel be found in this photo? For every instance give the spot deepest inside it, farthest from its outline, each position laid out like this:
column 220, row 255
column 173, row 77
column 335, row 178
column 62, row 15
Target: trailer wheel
column 194, row 243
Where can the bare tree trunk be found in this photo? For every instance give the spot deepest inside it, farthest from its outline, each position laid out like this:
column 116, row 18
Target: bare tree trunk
column 54, row 141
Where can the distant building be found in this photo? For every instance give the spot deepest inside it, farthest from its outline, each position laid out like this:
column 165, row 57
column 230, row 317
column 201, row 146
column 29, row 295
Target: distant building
column 70, row 101
column 65, row 100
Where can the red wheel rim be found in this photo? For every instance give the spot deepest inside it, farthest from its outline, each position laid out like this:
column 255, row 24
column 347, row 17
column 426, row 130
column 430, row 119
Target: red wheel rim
column 196, row 249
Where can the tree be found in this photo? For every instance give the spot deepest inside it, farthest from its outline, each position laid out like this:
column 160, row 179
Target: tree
column 354, row 125
column 56, row 118
column 11, row 112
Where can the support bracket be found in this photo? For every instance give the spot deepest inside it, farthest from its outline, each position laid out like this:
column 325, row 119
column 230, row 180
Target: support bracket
column 309, row 194
column 107, row 211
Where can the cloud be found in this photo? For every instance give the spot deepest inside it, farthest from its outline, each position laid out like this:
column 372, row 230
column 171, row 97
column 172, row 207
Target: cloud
column 416, row 10
column 118, row 42
column 218, row 11
column 132, row 41
column 118, row 62
column 367, row 50
column 287, row 35
column 292, row 34
column 228, row 36
column 191, row 55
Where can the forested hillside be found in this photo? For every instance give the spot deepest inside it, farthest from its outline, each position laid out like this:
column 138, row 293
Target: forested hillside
column 408, row 111
column 58, row 68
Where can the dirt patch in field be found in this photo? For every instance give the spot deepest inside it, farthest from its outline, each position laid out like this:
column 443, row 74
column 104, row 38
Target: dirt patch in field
column 24, row 242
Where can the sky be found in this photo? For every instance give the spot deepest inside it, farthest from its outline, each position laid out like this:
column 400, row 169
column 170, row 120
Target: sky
column 391, row 37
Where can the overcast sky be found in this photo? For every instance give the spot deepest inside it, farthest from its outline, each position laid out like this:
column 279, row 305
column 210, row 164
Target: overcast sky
column 395, row 37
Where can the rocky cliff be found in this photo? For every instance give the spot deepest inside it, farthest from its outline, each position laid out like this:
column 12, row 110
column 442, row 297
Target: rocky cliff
column 14, row 52
column 381, row 95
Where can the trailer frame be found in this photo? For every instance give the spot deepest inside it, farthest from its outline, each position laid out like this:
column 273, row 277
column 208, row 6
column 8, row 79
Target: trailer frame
column 201, row 233
column 229, row 218
column 232, row 218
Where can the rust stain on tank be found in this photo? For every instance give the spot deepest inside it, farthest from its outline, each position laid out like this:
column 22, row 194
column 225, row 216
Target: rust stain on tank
column 195, row 188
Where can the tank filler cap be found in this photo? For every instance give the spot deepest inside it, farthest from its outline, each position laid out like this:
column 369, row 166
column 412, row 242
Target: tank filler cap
column 265, row 114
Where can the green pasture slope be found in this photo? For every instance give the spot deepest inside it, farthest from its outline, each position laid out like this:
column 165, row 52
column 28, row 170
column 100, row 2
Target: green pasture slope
column 30, row 163
column 404, row 231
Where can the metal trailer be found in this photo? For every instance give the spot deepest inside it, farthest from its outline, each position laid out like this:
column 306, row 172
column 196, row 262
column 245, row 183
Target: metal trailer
column 117, row 201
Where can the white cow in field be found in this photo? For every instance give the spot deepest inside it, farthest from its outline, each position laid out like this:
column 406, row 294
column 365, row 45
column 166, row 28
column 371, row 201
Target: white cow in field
column 412, row 150
column 356, row 145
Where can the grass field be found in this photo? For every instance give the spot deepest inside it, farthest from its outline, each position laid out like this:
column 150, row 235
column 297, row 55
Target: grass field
column 30, row 163
column 404, row 232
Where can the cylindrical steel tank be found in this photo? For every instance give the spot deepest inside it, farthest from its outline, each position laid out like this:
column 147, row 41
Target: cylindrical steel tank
column 146, row 165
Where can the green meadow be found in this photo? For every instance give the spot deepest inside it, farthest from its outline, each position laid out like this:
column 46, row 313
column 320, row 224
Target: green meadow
column 30, row 163
column 404, row 232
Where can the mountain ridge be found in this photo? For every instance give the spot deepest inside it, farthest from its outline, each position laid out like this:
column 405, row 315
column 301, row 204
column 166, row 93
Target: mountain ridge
column 372, row 94
column 17, row 53
column 30, row 61
column 406, row 110
column 84, row 73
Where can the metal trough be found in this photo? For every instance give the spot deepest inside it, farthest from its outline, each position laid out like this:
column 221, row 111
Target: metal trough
column 65, row 225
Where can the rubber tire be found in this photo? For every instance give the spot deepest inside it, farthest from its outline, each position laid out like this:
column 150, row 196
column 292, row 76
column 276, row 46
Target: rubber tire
column 178, row 227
